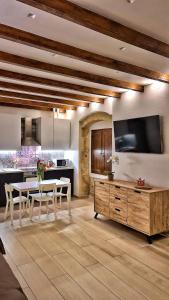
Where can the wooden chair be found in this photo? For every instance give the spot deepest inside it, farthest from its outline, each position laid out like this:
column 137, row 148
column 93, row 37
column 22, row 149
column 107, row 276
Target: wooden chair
column 44, row 196
column 30, row 179
column 10, row 202
column 59, row 194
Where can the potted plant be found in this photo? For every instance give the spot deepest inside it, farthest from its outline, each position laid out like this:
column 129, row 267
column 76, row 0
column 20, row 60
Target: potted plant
column 114, row 159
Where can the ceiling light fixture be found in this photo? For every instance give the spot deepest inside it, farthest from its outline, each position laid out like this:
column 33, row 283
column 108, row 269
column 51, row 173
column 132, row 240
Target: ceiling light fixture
column 55, row 55
column 31, row 16
column 123, row 48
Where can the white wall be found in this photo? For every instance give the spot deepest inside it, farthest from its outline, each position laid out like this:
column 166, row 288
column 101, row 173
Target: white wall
column 153, row 167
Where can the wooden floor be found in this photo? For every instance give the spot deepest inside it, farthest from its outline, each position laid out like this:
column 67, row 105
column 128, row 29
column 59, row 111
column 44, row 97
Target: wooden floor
column 84, row 258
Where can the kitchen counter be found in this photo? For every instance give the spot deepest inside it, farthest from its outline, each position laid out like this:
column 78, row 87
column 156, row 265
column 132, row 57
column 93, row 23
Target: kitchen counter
column 26, row 169
column 10, row 170
column 60, row 168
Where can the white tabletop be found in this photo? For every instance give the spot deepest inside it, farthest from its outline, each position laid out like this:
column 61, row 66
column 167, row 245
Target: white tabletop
column 34, row 185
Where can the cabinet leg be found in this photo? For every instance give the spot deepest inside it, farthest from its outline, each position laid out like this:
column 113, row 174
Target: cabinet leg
column 149, row 239
column 96, row 214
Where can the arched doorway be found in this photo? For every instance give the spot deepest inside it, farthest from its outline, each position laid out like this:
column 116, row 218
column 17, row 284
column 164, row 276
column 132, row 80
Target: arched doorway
column 84, row 126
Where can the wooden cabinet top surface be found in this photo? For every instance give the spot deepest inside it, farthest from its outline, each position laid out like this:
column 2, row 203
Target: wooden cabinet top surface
column 132, row 185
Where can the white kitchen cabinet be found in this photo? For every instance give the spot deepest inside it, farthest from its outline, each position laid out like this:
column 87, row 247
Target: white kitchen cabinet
column 55, row 133
column 47, row 132
column 10, row 132
column 61, row 134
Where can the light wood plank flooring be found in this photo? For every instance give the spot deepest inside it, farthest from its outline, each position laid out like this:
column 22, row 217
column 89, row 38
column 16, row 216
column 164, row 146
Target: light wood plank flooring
column 79, row 257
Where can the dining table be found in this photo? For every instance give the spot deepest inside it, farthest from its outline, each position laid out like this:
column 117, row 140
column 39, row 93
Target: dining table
column 29, row 186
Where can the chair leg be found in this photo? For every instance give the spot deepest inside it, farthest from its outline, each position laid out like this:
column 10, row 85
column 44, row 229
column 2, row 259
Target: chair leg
column 47, row 208
column 23, row 205
column 54, row 203
column 20, row 213
column 6, row 209
column 69, row 200
column 60, row 199
column 11, row 212
column 31, row 209
column 27, row 205
column 40, row 206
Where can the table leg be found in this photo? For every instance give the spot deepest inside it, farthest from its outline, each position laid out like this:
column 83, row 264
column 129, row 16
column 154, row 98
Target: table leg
column 20, row 208
column 69, row 199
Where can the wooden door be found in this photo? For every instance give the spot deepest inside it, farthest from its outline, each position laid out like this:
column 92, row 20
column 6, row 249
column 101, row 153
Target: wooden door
column 107, row 148
column 101, row 150
column 97, row 153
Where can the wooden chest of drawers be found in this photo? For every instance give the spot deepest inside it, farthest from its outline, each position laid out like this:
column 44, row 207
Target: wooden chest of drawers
column 146, row 211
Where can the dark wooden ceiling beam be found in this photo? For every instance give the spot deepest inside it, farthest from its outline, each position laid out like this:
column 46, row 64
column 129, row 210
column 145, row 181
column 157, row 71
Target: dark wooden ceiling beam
column 55, row 83
column 25, row 106
column 42, row 98
column 37, row 90
column 31, row 103
column 75, row 13
column 42, row 66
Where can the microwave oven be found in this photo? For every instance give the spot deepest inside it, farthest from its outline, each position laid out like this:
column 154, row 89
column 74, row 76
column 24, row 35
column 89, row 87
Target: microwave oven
column 62, row 163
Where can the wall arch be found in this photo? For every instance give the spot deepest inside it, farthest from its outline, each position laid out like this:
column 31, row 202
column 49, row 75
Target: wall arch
column 84, row 127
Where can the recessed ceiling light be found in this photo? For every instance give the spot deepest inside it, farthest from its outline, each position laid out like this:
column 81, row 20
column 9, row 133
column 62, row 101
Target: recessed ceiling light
column 131, row 1
column 55, row 54
column 31, row 15
column 123, row 48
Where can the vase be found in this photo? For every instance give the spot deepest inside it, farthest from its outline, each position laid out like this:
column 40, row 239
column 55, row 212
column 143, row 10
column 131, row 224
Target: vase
column 40, row 177
column 111, row 176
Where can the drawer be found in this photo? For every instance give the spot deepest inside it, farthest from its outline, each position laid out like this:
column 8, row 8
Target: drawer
column 118, row 202
column 101, row 208
column 102, row 185
column 118, row 213
column 118, row 191
column 139, row 223
column 102, row 195
column 139, row 210
column 118, row 216
column 138, row 197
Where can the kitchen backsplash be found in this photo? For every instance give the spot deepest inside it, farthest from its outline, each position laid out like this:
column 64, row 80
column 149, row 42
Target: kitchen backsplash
column 27, row 156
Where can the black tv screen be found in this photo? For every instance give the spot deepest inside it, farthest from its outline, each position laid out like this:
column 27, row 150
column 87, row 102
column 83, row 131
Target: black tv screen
column 142, row 135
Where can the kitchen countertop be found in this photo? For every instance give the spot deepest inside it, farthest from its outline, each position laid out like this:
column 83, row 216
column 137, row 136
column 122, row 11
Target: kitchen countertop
column 60, row 168
column 10, row 170
column 13, row 170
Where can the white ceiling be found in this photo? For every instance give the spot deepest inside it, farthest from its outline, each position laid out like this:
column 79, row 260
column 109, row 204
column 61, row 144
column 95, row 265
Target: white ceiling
column 147, row 16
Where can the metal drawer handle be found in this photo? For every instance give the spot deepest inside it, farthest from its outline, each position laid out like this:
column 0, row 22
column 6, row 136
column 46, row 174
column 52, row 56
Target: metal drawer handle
column 117, row 187
column 117, row 209
column 137, row 192
column 117, row 198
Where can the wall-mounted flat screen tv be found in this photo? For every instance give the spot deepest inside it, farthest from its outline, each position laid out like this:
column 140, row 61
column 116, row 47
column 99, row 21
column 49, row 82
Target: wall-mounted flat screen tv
column 141, row 135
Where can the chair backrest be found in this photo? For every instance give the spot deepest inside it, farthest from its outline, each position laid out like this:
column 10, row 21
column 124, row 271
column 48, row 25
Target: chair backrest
column 8, row 192
column 31, row 179
column 67, row 180
column 47, row 187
